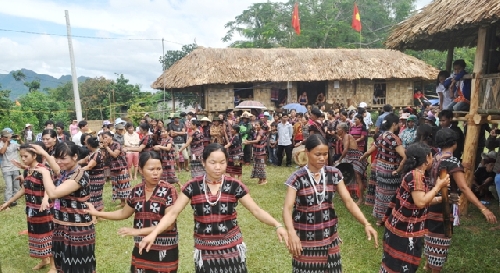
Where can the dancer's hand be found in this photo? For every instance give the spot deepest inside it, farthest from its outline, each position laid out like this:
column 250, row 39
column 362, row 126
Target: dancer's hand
column 294, row 244
column 282, row 235
column 147, row 242
column 91, row 209
column 127, row 231
column 45, row 204
column 371, row 232
column 4, row 206
column 490, row 217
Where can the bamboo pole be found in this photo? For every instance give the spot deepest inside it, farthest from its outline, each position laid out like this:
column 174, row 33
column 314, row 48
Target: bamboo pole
column 469, row 156
column 449, row 59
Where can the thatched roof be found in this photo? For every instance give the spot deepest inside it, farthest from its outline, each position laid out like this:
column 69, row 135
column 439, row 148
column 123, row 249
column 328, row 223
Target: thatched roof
column 445, row 23
column 206, row 66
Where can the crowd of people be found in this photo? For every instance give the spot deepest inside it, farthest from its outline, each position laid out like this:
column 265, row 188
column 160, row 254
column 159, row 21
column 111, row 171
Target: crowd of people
column 62, row 177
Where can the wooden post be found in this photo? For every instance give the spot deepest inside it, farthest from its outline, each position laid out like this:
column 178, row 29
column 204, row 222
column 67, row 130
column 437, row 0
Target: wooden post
column 472, row 136
column 449, row 59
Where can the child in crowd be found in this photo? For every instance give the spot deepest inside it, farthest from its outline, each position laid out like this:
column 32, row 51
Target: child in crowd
column 273, row 144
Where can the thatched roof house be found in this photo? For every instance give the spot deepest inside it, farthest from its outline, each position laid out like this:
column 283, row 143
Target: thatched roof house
column 445, row 23
column 231, row 65
column 345, row 76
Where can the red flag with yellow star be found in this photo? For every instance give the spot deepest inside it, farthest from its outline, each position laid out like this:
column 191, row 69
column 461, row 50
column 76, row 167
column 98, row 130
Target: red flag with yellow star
column 296, row 19
column 356, row 19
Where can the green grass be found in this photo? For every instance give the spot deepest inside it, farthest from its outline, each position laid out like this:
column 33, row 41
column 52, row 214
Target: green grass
column 474, row 249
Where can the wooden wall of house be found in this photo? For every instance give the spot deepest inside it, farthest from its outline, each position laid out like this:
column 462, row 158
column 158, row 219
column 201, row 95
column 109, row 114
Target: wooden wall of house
column 262, row 93
column 398, row 92
column 219, row 98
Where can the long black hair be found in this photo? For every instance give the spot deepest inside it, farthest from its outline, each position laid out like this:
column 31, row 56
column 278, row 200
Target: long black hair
column 314, row 141
column 425, row 134
column 446, row 138
column 145, row 156
column 389, row 120
column 29, row 146
column 213, row 147
column 416, row 155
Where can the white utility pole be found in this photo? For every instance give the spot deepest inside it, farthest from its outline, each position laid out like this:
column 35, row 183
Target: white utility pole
column 78, row 104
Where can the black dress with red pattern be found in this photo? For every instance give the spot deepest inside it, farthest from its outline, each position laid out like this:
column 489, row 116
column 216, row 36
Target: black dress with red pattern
column 436, row 243
column 218, row 241
column 315, row 221
column 163, row 257
column 120, row 177
column 97, row 179
column 405, row 227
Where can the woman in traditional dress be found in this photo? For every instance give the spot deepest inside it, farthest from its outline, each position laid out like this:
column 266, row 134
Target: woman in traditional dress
column 359, row 132
column 195, row 143
column 436, row 243
column 95, row 168
column 219, row 245
column 372, row 181
column 390, row 160
column 119, row 169
column 405, row 218
column 235, row 153
column 216, row 131
column 149, row 201
column 351, row 154
column 39, row 217
column 73, row 242
column 167, row 155
column 205, row 127
column 259, row 143
column 309, row 214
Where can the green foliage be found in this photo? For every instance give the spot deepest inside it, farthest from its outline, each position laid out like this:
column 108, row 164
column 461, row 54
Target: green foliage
column 324, row 24
column 438, row 58
column 37, row 107
column 173, row 56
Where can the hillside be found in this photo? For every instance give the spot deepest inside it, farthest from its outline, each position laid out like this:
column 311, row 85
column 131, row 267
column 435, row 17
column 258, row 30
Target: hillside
column 18, row 89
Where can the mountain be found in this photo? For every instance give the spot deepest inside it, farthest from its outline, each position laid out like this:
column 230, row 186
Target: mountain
column 17, row 88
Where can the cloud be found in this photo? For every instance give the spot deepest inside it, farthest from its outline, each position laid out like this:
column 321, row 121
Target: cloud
column 179, row 22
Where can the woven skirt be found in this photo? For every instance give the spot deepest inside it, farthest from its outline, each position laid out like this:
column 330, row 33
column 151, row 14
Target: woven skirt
column 197, row 168
column 121, row 184
column 155, row 261
column 372, row 184
column 168, row 173
column 323, row 259
column 387, row 184
column 97, row 182
column 401, row 254
column 73, row 248
column 259, row 167
column 40, row 230
column 232, row 168
column 231, row 259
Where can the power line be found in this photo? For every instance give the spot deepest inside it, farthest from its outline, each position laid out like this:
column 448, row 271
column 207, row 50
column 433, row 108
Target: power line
column 87, row 37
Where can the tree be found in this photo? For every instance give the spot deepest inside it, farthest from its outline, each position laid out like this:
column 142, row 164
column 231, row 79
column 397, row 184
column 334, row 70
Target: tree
column 32, row 86
column 173, row 56
column 324, row 24
column 96, row 95
column 438, row 58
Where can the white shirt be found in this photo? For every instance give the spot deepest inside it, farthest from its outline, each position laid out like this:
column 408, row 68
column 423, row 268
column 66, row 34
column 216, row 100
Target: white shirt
column 368, row 119
column 285, row 133
column 447, row 100
column 77, row 138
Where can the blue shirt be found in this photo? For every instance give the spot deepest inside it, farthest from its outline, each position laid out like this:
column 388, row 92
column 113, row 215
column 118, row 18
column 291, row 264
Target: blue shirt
column 380, row 119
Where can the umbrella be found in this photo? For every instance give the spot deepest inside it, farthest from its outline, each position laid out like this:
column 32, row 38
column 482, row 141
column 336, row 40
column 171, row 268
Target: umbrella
column 296, row 106
column 250, row 104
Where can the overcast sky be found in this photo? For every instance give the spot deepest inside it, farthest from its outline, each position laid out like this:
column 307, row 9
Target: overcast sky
column 179, row 22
